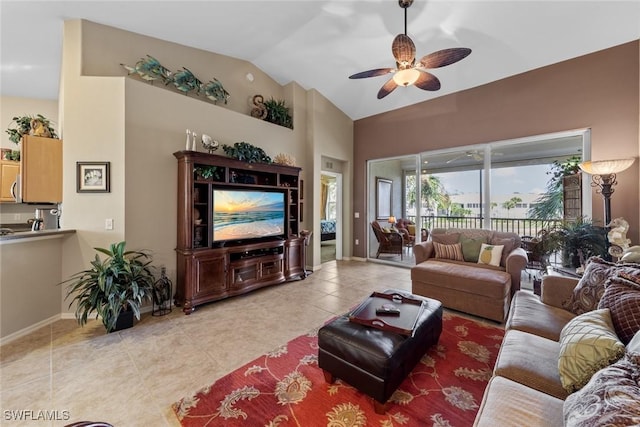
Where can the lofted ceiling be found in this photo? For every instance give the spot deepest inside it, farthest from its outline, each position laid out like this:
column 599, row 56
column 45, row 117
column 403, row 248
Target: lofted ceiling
column 319, row 43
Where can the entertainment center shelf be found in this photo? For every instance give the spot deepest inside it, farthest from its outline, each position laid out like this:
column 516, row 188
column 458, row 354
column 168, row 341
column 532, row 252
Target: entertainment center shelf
column 222, row 254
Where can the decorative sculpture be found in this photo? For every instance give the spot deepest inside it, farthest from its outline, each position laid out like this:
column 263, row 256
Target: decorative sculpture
column 215, row 91
column 617, row 236
column 260, row 110
column 185, row 81
column 149, row 69
column 209, row 143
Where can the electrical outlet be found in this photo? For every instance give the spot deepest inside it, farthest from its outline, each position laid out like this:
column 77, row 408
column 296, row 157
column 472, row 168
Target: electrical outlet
column 357, row 242
column 108, row 224
column 356, row 215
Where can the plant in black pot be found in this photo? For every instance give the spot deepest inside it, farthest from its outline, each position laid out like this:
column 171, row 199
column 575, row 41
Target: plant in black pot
column 115, row 287
column 578, row 240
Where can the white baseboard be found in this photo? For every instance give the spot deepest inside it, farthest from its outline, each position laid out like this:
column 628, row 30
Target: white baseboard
column 28, row 330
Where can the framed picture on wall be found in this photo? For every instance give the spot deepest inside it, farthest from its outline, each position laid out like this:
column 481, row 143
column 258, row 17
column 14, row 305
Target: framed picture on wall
column 92, row 177
column 383, row 198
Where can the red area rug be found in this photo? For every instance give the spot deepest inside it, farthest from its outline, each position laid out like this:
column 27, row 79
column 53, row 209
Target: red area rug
column 286, row 388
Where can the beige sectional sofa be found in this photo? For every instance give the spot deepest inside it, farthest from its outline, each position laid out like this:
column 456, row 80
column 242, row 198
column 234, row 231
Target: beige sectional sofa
column 464, row 284
column 527, row 389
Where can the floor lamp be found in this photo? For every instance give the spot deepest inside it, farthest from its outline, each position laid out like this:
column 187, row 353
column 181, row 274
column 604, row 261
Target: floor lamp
column 604, row 178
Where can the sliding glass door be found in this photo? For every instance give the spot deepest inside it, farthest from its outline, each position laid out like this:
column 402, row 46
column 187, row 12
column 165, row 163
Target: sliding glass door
column 507, row 186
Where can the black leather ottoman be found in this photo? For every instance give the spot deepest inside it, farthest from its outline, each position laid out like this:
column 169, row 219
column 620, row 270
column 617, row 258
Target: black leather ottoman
column 376, row 361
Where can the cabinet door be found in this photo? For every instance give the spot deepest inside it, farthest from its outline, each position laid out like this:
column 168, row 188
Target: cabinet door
column 210, row 275
column 41, row 170
column 295, row 254
column 8, row 173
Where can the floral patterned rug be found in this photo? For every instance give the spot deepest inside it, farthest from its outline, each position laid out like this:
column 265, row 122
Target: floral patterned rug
column 286, row 388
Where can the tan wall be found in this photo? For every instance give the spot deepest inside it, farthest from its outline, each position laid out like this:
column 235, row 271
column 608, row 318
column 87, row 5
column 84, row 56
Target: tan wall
column 118, row 47
column 331, row 133
column 598, row 91
column 138, row 126
column 30, row 271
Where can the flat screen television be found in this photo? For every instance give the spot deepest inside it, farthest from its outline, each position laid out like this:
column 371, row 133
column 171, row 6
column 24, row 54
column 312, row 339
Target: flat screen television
column 240, row 214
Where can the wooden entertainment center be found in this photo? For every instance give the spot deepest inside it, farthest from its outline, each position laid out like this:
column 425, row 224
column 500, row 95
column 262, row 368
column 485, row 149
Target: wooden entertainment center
column 210, row 270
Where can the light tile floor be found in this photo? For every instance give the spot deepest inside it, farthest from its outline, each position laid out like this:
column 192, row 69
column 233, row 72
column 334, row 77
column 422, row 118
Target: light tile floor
column 131, row 377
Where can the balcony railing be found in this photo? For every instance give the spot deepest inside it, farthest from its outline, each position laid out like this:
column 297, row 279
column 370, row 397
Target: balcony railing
column 521, row 226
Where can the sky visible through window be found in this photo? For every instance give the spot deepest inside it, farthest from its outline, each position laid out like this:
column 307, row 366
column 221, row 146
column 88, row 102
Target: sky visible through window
column 519, row 179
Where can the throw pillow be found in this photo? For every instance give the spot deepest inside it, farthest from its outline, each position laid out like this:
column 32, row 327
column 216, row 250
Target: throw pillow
column 490, row 254
column 411, row 229
column 446, row 239
column 509, row 244
column 471, row 248
column 634, row 344
column 588, row 343
column 453, row 251
column 589, row 290
column 622, row 297
column 609, row 399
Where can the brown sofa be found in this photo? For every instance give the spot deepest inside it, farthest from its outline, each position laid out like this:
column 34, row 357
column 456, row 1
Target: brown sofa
column 479, row 289
column 526, row 389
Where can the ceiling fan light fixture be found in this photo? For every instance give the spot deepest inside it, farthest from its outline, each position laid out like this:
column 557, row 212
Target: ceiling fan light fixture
column 406, row 77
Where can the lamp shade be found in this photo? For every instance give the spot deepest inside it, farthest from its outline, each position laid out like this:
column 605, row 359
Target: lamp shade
column 392, row 219
column 606, row 167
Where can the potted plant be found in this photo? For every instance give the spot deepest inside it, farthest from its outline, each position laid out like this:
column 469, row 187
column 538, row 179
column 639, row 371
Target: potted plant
column 578, row 240
column 278, row 113
column 207, row 172
column 40, row 125
column 114, row 287
column 246, row 152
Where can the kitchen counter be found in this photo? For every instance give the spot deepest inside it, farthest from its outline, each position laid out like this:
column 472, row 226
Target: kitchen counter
column 22, row 235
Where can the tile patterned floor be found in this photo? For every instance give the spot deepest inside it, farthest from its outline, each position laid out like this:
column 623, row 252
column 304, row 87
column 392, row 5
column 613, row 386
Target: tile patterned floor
column 131, row 377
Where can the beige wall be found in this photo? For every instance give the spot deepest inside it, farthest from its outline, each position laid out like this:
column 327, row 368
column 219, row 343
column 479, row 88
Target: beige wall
column 598, row 91
column 331, row 135
column 30, row 271
column 138, row 126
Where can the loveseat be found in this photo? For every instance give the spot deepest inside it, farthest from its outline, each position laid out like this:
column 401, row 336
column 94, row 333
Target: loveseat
column 571, row 356
column 450, row 268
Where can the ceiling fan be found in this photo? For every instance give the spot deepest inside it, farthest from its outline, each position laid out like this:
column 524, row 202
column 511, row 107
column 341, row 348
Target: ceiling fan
column 408, row 71
column 474, row 154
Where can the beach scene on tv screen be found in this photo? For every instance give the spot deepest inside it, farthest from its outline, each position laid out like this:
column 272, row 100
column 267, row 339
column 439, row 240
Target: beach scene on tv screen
column 247, row 214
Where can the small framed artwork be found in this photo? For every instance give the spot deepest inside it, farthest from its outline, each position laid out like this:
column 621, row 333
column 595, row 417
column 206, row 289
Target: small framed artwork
column 92, row 177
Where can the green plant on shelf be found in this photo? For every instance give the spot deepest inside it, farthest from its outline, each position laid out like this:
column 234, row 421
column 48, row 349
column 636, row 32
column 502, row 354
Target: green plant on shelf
column 207, row 172
column 26, row 125
column 278, row 113
column 246, row 152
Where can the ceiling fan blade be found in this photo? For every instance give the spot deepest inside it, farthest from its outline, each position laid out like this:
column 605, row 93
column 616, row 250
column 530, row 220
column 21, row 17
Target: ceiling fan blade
column 372, row 73
column 444, row 57
column 427, row 81
column 404, row 50
column 387, row 88
column 456, row 158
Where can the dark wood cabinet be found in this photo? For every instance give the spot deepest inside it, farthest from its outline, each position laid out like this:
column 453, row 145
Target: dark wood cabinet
column 209, row 270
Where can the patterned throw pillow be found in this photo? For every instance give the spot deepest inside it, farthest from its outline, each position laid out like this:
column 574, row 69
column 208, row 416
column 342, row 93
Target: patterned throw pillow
column 622, row 297
column 490, row 254
column 609, row 399
column 453, row 251
column 508, row 243
column 588, row 343
column 471, row 248
column 446, row 239
column 587, row 293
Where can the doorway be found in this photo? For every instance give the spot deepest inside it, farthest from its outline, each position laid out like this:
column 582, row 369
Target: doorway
column 330, row 216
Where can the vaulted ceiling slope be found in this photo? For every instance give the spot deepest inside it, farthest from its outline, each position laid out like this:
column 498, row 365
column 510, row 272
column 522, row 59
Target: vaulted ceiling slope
column 319, row 43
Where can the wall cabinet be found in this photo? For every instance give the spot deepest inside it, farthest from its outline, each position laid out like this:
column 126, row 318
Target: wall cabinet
column 209, row 270
column 41, row 170
column 9, row 171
